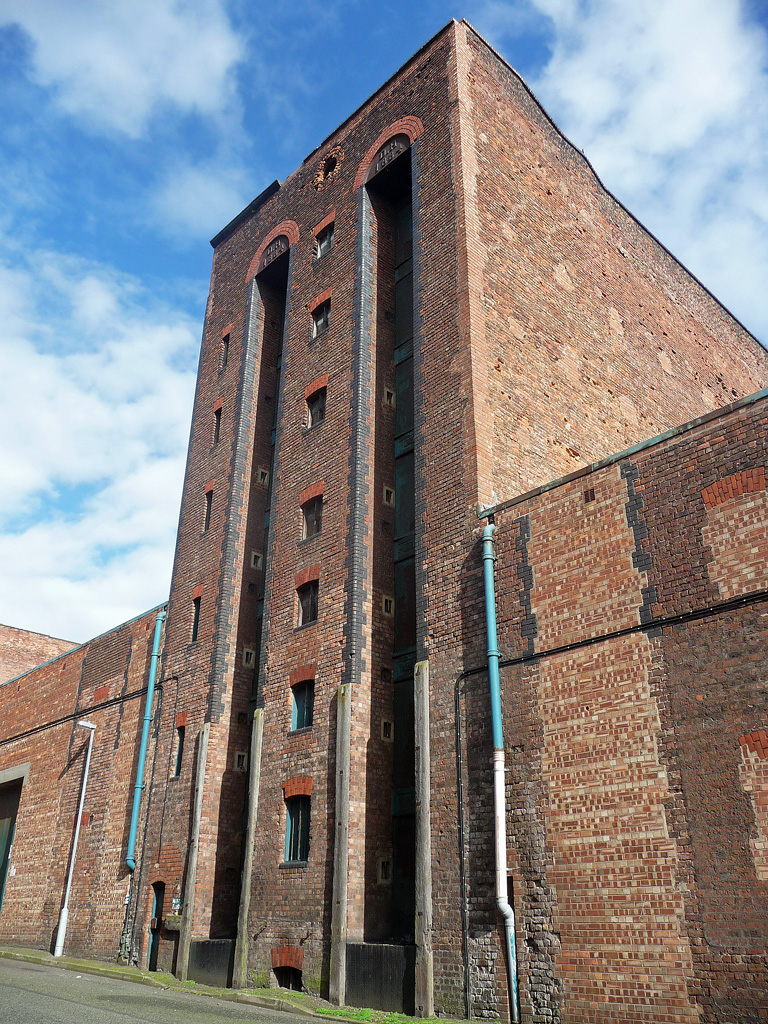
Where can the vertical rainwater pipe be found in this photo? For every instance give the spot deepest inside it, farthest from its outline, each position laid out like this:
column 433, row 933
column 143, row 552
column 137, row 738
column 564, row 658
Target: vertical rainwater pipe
column 61, row 931
column 499, row 799
column 130, row 856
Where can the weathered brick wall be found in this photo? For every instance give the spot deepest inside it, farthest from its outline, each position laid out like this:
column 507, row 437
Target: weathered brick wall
column 103, row 681
column 575, row 299
column 21, row 650
column 632, row 623
column 550, row 330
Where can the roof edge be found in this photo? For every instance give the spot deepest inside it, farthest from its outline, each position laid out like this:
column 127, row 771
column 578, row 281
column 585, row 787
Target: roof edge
column 485, row 511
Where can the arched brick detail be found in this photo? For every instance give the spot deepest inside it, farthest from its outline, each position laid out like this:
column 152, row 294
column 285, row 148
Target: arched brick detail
column 313, row 491
column 319, row 300
column 317, row 383
column 410, row 126
column 745, row 482
column 329, row 219
column 289, row 228
column 312, row 572
column 299, row 785
column 288, row 956
column 302, row 674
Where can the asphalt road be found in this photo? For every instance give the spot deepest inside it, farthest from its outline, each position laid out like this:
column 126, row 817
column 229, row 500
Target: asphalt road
column 42, row 994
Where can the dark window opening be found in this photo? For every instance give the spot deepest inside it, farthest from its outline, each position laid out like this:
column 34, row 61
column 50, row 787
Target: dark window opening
column 195, row 617
column 179, row 749
column 303, row 705
column 288, row 977
column 312, row 516
column 208, row 508
column 224, row 351
column 321, row 318
column 297, row 828
column 308, row 603
column 324, row 241
column 316, row 408
column 216, row 425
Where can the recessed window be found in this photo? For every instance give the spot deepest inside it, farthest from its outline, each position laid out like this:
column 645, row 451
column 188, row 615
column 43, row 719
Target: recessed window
column 195, row 617
column 207, row 512
column 385, row 871
column 386, row 730
column 308, row 595
column 312, row 517
column 389, row 398
column 316, row 408
column 249, row 657
column 180, row 731
column 241, row 761
column 256, row 560
column 224, row 351
column 303, row 709
column 324, row 241
column 388, row 605
column 321, row 318
column 589, row 494
column 263, row 477
column 216, row 425
column 389, row 496
column 297, row 828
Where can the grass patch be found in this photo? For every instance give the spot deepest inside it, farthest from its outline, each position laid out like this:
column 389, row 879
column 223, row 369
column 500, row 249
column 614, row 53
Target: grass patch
column 347, row 1012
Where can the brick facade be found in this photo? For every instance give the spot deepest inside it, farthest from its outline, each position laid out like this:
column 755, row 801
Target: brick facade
column 544, row 328
column 21, row 650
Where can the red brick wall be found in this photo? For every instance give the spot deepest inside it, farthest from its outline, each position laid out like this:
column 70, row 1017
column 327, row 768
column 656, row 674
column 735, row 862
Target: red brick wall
column 575, row 298
column 103, row 681
column 635, row 815
column 21, row 650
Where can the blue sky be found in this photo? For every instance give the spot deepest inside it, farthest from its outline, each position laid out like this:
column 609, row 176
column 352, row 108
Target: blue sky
column 133, row 130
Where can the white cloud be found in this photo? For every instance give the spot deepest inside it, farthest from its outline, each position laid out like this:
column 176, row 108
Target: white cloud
column 669, row 101
column 117, row 64
column 95, row 391
column 197, row 200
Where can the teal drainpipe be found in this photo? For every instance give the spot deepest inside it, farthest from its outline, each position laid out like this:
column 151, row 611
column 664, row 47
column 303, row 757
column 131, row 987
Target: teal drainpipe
column 499, row 798
column 130, row 856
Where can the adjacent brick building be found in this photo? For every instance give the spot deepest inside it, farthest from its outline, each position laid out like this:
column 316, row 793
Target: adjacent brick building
column 440, row 309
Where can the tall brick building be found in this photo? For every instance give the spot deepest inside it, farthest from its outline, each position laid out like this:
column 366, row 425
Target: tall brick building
column 440, row 310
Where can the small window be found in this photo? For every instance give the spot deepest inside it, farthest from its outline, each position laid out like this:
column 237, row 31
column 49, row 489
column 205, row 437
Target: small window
column 316, row 408
column 321, row 318
column 216, row 425
column 195, row 617
column 389, row 398
column 297, row 828
column 312, row 517
column 388, row 605
column 386, row 730
column 180, row 731
column 308, row 595
column 385, row 871
column 303, row 711
column 208, row 508
column 264, row 477
column 389, row 496
column 324, row 241
column 224, row 351
column 241, row 761
column 249, row 657
column 256, row 560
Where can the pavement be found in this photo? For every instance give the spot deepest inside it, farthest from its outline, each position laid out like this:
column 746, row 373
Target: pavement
column 290, row 1002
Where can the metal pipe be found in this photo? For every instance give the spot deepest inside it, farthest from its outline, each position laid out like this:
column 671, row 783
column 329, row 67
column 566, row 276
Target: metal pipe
column 499, row 799
column 130, row 855
column 61, row 931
